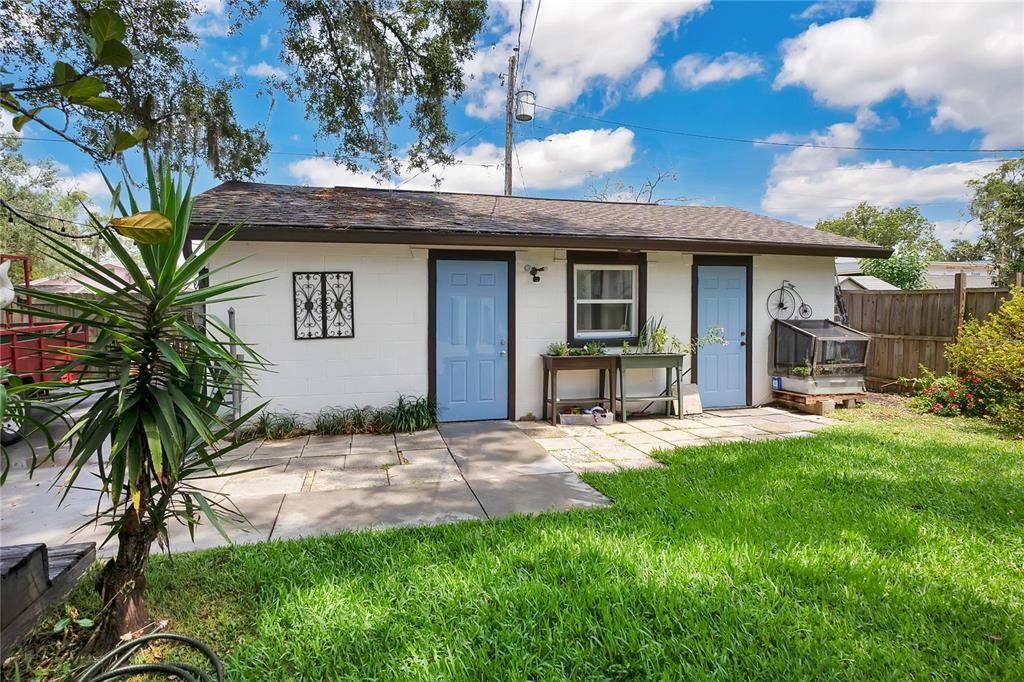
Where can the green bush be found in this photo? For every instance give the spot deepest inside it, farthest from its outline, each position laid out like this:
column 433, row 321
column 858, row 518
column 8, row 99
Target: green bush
column 405, row 415
column 987, row 370
column 402, row 416
column 272, row 426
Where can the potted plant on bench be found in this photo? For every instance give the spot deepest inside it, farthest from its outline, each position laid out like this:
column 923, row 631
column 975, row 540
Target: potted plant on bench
column 560, row 357
column 657, row 349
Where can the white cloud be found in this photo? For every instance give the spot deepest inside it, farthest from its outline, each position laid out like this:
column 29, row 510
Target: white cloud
column 264, row 70
column 650, row 81
column 829, row 8
column 963, row 60
column 814, row 183
column 264, row 41
column 90, row 182
column 7, row 124
column 210, row 6
column 948, row 230
column 558, row 161
column 210, row 20
column 697, row 70
column 576, row 45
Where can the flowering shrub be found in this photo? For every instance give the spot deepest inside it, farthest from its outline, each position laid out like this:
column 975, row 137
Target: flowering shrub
column 987, row 363
column 950, row 395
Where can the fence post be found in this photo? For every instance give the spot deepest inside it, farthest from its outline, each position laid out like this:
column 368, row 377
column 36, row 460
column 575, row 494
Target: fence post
column 960, row 301
column 1018, row 279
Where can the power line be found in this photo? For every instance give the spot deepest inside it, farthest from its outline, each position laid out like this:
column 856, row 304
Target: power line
column 522, row 176
column 454, row 149
column 313, row 155
column 46, row 228
column 810, row 145
column 533, row 30
column 519, row 38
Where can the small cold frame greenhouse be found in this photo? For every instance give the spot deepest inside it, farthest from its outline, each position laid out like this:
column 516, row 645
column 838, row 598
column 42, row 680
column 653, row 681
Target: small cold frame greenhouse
column 819, row 356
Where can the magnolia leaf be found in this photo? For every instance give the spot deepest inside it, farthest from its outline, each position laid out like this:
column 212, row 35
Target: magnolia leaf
column 114, row 53
column 61, row 624
column 124, row 140
column 147, row 227
column 102, row 104
column 106, row 25
column 85, row 622
column 83, row 88
column 8, row 102
column 63, row 73
column 19, row 121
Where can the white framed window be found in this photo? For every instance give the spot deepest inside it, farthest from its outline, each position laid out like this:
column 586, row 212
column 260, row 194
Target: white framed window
column 606, row 301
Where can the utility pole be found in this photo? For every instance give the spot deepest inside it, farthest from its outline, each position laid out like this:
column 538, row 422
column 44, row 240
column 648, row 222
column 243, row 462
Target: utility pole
column 509, row 105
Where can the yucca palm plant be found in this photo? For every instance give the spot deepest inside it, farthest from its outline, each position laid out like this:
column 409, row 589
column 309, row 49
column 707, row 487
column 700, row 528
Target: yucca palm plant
column 156, row 385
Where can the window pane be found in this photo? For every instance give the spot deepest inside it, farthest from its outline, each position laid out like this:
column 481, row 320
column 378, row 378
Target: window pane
column 604, row 284
column 603, row 317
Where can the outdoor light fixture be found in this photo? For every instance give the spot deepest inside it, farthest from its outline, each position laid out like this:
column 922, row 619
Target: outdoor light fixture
column 534, row 272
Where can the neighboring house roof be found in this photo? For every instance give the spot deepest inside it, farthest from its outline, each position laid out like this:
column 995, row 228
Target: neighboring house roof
column 848, row 267
column 942, row 274
column 295, row 213
column 865, row 283
column 72, row 283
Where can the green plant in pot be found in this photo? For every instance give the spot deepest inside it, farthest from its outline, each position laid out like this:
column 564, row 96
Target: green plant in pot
column 654, row 339
column 558, row 349
column 590, row 348
column 801, row 371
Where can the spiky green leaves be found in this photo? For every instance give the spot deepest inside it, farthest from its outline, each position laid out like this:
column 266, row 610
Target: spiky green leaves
column 159, row 376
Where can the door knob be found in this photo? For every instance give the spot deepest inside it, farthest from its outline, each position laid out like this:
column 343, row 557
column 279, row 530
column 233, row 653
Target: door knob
column 502, row 353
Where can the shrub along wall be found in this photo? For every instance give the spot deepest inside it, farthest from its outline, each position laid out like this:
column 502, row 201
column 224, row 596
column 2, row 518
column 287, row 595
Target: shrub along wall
column 402, row 416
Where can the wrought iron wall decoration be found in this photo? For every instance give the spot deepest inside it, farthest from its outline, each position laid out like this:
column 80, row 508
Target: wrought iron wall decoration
column 323, row 305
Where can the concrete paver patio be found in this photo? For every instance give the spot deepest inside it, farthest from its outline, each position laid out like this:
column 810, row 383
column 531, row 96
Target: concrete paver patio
column 477, row 470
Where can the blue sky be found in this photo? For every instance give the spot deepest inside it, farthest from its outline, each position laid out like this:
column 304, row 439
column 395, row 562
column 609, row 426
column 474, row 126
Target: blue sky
column 853, row 74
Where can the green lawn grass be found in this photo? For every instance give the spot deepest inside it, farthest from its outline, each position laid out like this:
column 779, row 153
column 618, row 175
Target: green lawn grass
column 891, row 547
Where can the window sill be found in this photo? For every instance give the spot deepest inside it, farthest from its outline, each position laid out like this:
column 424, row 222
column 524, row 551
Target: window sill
column 606, row 340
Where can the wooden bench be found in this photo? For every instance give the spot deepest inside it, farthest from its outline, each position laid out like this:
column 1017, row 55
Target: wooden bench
column 32, row 579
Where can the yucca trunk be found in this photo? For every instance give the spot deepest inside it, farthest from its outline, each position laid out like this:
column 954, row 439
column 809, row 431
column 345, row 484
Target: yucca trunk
column 122, row 584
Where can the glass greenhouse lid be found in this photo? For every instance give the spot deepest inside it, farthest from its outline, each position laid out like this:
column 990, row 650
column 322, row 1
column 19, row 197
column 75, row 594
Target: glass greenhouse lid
column 826, row 329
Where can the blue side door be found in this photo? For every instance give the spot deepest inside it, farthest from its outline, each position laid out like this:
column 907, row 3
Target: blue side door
column 722, row 302
column 472, row 340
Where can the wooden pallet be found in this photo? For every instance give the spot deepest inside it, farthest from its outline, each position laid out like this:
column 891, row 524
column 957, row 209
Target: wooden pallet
column 817, row 404
column 33, row 578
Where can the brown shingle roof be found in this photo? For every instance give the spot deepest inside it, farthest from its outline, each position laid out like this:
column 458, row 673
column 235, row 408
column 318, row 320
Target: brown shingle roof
column 294, row 213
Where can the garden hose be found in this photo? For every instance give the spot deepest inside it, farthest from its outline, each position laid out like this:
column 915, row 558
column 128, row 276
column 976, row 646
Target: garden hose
column 103, row 669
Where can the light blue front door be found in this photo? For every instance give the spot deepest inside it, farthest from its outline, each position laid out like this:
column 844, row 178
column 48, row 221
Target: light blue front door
column 722, row 302
column 472, row 340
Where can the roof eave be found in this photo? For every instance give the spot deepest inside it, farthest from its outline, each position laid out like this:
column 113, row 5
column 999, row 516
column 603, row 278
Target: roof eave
column 297, row 233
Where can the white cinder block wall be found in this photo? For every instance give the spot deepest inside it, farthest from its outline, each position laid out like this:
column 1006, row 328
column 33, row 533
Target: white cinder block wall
column 388, row 355
column 815, row 280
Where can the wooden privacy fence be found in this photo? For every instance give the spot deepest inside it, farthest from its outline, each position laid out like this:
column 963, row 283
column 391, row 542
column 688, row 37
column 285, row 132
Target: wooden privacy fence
column 911, row 328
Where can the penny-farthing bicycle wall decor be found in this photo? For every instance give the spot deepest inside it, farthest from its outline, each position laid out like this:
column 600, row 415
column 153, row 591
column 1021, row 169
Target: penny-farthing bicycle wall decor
column 786, row 301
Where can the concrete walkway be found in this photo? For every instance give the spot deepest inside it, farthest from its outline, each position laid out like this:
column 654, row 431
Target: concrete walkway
column 479, row 470
column 628, row 446
column 325, row 484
